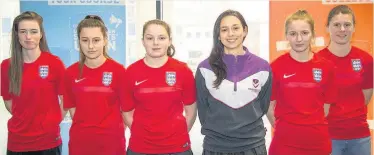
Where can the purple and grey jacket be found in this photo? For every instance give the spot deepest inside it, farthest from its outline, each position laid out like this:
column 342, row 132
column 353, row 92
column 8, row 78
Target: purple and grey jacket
column 231, row 116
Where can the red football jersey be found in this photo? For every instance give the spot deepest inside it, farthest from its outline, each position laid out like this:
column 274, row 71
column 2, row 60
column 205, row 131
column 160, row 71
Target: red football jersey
column 300, row 90
column 158, row 96
column 348, row 118
column 36, row 113
column 97, row 126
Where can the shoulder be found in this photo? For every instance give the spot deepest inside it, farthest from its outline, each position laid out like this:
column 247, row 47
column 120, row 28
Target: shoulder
column 5, row 62
column 177, row 62
column 323, row 52
column 324, row 63
column 5, row 65
column 135, row 66
column 204, row 64
column 179, row 65
column 261, row 68
column 361, row 53
column 73, row 67
column 261, row 63
column 51, row 59
column 278, row 62
column 115, row 65
column 50, row 56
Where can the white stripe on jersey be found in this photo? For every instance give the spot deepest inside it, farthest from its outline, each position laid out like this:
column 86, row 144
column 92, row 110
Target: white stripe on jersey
column 246, row 91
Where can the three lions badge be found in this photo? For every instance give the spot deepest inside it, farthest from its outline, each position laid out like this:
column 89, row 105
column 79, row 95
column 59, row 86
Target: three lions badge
column 171, row 78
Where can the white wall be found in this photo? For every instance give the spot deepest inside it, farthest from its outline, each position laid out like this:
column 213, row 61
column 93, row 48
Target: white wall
column 8, row 10
column 138, row 11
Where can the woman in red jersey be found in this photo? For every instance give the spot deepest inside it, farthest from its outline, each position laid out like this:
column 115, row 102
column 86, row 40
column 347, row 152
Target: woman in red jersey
column 158, row 90
column 31, row 86
column 347, row 118
column 302, row 85
column 92, row 94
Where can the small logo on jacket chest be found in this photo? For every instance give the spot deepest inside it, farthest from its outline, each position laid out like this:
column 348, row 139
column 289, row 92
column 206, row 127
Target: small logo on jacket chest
column 255, row 83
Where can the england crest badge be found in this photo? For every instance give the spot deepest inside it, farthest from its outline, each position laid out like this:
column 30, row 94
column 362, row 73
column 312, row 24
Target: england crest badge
column 317, row 74
column 107, row 78
column 356, row 65
column 171, row 78
column 43, row 71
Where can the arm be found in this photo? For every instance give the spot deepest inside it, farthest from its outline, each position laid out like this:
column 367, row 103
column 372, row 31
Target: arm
column 367, row 84
column 270, row 113
column 8, row 105
column 274, row 95
column 201, row 95
column 68, row 97
column 4, row 86
column 72, row 112
column 126, row 98
column 189, row 97
column 128, row 118
column 63, row 111
column 331, row 91
column 265, row 94
column 326, row 108
column 367, row 94
column 61, row 85
column 191, row 113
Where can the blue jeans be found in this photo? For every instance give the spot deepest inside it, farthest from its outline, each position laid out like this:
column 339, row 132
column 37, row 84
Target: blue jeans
column 361, row 146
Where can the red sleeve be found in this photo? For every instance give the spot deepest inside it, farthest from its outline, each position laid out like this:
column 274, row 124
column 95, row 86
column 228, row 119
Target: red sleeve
column 275, row 84
column 368, row 73
column 126, row 93
column 69, row 98
column 331, row 90
column 60, row 71
column 189, row 87
column 5, row 81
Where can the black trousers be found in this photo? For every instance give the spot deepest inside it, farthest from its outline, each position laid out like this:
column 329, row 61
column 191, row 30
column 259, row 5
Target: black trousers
column 188, row 152
column 261, row 150
column 52, row 151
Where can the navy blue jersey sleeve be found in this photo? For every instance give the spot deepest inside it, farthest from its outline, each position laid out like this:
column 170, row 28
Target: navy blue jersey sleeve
column 201, row 94
column 265, row 94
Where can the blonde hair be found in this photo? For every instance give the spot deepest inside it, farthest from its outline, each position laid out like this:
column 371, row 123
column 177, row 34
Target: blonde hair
column 300, row 15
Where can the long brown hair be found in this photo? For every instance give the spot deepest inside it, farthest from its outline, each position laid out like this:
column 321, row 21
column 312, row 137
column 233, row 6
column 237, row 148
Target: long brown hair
column 169, row 51
column 16, row 58
column 340, row 9
column 91, row 21
column 217, row 52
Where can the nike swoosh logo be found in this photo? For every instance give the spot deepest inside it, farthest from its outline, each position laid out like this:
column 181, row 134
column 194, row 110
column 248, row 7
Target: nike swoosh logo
column 287, row 76
column 138, row 83
column 76, row 80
